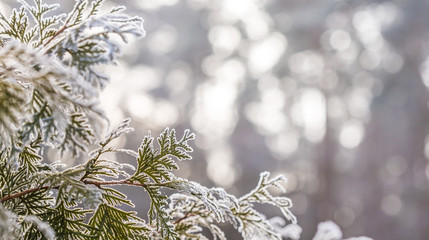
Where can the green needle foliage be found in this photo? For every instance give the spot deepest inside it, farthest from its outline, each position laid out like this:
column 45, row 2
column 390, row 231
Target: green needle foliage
column 49, row 88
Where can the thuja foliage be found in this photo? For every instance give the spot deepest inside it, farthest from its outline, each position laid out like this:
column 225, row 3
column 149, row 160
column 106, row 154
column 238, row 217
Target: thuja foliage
column 49, row 86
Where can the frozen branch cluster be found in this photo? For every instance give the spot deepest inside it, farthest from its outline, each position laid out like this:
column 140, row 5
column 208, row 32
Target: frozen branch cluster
column 49, row 87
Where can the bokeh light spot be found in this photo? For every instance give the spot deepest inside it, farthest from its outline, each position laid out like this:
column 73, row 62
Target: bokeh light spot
column 396, row 166
column 224, row 39
column 163, row 40
column 265, row 54
column 220, row 167
column 391, row 205
column 313, row 114
column 351, row 134
column 344, row 216
column 340, row 40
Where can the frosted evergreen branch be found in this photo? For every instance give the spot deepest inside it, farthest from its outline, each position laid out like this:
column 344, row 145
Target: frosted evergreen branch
column 87, row 42
column 96, row 164
column 46, row 26
column 79, row 6
column 261, row 195
column 43, row 227
column 72, row 221
column 156, row 165
column 59, row 92
column 110, row 223
column 209, row 206
column 215, row 205
column 331, row 231
column 17, row 26
column 75, row 89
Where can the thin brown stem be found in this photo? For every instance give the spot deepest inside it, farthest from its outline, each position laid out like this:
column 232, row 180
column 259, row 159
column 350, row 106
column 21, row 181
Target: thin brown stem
column 188, row 214
column 20, row 194
column 96, row 183
column 55, row 35
column 62, row 29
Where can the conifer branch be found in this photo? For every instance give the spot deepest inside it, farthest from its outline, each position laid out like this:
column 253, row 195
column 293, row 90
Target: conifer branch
column 49, row 89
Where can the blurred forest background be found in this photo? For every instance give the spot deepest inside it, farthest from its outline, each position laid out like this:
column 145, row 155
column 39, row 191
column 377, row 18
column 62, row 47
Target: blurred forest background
column 331, row 93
